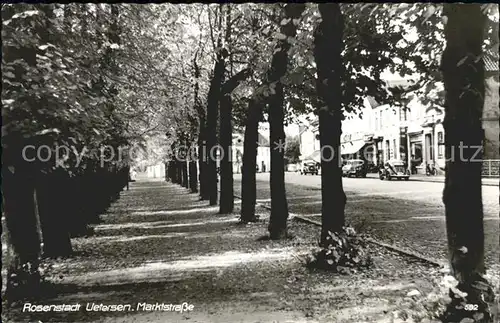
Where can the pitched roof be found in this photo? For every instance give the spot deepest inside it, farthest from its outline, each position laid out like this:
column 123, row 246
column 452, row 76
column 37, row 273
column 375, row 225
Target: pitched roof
column 238, row 139
column 373, row 103
column 490, row 59
column 315, row 156
column 263, row 142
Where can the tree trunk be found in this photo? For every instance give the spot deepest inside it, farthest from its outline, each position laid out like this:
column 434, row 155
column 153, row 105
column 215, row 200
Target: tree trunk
column 170, row 173
column 193, row 169
column 327, row 53
column 185, row 178
column 202, row 160
column 193, row 176
column 201, row 155
column 174, row 171
column 463, row 75
column 226, row 166
column 248, row 181
column 23, row 233
column 52, row 196
column 211, row 130
column 226, row 138
column 279, row 206
column 178, row 167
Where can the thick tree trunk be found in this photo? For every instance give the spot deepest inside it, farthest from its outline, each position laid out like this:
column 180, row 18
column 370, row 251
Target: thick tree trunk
column 248, row 181
column 226, row 166
column 279, row 206
column 463, row 73
column 23, row 233
column 327, row 53
column 211, row 130
column 52, row 196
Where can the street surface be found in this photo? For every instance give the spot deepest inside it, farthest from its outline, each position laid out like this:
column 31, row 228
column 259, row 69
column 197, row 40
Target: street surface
column 407, row 214
column 160, row 247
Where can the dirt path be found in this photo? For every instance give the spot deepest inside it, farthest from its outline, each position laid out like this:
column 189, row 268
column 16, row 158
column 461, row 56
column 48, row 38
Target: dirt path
column 159, row 244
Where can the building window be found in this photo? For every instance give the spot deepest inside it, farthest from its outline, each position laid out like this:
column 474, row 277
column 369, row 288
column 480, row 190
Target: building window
column 388, row 149
column 394, row 149
column 440, row 145
column 403, row 114
column 440, row 138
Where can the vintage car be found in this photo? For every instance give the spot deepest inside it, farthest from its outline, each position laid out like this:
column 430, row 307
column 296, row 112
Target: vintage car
column 355, row 167
column 309, row 167
column 394, row 169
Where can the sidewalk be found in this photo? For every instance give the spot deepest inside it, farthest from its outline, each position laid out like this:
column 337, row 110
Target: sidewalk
column 160, row 244
column 440, row 179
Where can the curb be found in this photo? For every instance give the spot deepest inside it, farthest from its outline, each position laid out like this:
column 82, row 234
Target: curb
column 442, row 181
column 430, row 179
column 385, row 245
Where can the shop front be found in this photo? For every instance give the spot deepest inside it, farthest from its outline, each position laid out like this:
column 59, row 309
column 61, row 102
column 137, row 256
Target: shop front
column 359, row 146
column 416, row 152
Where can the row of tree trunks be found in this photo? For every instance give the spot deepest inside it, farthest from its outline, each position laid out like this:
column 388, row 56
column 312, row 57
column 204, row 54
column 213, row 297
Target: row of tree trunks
column 328, row 45
column 184, row 173
column 279, row 206
column 49, row 208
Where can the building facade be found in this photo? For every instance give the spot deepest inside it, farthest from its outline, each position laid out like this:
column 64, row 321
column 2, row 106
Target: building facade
column 413, row 133
column 309, row 140
column 263, row 153
column 491, row 113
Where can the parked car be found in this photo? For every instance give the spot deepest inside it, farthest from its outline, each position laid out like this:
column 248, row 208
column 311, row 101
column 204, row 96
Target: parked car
column 309, row 167
column 394, row 169
column 355, row 167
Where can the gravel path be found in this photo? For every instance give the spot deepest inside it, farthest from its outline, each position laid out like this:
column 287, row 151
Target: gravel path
column 160, row 244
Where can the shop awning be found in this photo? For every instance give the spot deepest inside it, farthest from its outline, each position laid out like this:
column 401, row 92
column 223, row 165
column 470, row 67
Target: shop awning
column 351, row 147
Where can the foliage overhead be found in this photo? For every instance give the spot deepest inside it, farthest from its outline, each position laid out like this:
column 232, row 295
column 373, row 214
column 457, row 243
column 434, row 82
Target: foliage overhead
column 88, row 75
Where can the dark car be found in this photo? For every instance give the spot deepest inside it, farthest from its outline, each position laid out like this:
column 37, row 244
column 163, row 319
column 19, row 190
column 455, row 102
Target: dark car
column 394, row 169
column 355, row 167
column 309, row 167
